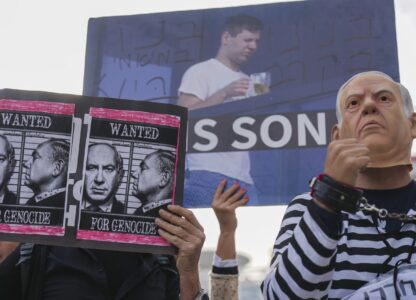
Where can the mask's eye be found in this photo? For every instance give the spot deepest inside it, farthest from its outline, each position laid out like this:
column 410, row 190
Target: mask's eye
column 384, row 98
column 352, row 103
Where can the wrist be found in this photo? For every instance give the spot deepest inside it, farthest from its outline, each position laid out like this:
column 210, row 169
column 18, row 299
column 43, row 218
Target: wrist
column 321, row 204
column 189, row 285
column 333, row 195
column 227, row 232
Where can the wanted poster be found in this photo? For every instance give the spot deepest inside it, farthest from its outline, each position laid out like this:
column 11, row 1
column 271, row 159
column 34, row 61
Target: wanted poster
column 88, row 172
column 130, row 173
column 35, row 139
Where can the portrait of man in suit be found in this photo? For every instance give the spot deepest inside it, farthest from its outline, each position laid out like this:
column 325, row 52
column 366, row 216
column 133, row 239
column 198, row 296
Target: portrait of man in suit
column 103, row 174
column 153, row 182
column 7, row 164
column 46, row 173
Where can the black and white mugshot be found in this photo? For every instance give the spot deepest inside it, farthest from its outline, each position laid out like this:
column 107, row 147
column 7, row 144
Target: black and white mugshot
column 153, row 182
column 46, row 173
column 103, row 175
column 7, row 164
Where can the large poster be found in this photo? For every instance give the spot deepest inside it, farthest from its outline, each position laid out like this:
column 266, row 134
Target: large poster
column 259, row 81
column 87, row 171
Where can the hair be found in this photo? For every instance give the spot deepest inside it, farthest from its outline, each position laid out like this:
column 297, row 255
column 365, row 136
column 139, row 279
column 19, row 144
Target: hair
column 237, row 23
column 404, row 93
column 9, row 148
column 166, row 160
column 119, row 158
column 60, row 149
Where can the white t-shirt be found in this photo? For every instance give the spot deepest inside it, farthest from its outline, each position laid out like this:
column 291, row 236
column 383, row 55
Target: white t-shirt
column 202, row 80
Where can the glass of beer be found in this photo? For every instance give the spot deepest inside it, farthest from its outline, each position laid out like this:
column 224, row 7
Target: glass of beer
column 260, row 83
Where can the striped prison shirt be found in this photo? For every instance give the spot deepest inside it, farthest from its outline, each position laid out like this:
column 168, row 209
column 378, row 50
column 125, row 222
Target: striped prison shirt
column 323, row 255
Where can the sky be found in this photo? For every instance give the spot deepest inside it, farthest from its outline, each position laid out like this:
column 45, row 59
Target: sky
column 43, row 48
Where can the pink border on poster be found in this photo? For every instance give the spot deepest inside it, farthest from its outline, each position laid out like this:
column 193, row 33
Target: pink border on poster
column 121, row 238
column 141, row 116
column 32, row 229
column 135, row 116
column 38, row 106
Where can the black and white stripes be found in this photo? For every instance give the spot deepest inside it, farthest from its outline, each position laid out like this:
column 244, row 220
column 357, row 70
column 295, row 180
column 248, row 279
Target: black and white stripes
column 313, row 261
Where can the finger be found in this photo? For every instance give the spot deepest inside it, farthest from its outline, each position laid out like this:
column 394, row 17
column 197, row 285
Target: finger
column 193, row 243
column 185, row 213
column 186, row 234
column 241, row 202
column 349, row 155
column 337, row 148
column 171, row 238
column 172, row 229
column 220, row 189
column 236, row 196
column 231, row 190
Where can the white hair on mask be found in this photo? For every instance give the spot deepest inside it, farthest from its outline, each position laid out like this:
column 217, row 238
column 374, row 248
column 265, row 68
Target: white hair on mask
column 404, row 93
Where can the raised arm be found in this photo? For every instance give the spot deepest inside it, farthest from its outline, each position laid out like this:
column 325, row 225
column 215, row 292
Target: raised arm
column 224, row 275
column 304, row 252
column 180, row 227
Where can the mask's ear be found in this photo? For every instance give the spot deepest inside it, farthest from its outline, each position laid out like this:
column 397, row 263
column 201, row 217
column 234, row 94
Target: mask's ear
column 335, row 133
column 413, row 126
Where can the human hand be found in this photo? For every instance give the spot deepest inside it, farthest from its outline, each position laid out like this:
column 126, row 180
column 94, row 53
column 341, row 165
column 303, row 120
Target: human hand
column 226, row 202
column 345, row 159
column 237, row 88
column 180, row 227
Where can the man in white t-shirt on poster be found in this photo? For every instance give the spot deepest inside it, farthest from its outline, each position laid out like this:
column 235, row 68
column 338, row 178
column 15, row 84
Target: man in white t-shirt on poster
column 213, row 82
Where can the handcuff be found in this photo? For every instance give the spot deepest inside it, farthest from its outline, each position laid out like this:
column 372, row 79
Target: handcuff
column 335, row 195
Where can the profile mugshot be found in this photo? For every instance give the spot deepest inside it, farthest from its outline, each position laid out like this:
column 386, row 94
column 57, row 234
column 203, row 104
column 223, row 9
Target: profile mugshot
column 46, row 173
column 103, row 175
column 153, row 182
column 7, row 164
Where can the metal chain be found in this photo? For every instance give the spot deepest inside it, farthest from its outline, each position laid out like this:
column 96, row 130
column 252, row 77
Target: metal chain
column 382, row 212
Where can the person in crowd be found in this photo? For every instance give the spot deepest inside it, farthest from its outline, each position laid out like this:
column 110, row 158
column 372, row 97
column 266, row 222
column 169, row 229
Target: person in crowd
column 38, row 272
column 46, row 173
column 357, row 223
column 153, row 182
column 224, row 275
column 213, row 82
column 103, row 174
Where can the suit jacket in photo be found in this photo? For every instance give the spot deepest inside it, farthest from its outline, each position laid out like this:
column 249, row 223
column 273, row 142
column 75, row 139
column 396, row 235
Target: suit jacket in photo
column 152, row 209
column 117, row 208
column 55, row 199
column 9, row 197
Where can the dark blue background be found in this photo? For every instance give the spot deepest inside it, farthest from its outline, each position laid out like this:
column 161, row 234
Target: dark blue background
column 310, row 48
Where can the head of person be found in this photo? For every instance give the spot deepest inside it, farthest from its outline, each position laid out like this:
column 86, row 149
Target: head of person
column 7, row 161
column 378, row 112
column 240, row 36
column 103, row 173
column 47, row 167
column 153, row 180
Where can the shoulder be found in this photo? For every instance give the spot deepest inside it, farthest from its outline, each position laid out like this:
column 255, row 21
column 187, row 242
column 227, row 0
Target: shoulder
column 118, row 207
column 10, row 197
column 55, row 200
column 201, row 68
column 203, row 64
